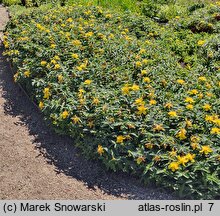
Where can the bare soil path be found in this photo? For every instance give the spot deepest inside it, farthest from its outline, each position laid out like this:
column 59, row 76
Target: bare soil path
column 36, row 163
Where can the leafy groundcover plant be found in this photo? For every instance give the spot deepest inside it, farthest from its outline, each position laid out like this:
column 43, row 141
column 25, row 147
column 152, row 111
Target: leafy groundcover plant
column 140, row 96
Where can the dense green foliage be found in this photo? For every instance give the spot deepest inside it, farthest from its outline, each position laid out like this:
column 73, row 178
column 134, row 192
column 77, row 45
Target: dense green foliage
column 10, row 2
column 140, row 96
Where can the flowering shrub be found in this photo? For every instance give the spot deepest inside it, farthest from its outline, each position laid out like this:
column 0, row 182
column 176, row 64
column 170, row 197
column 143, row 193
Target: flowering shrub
column 141, row 97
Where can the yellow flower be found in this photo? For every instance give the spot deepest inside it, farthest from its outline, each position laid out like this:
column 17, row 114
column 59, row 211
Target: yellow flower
column 135, row 87
column 81, row 67
column 190, row 157
column 100, row 150
column 81, row 92
column 56, row 57
column 6, row 44
column 193, row 92
column 202, row 79
column 209, row 118
column 181, row 134
column 168, row 105
column 75, row 56
column 75, row 119
column 39, row 26
column 146, row 79
column 189, row 106
column 82, row 101
column 60, row 78
column 95, row 101
column 153, row 102
column 139, row 101
column 173, row 166
column 111, row 36
column 208, row 86
column 180, row 81
column 43, row 63
column 188, row 123
column 64, row 114
column 142, row 51
column 215, row 130
column 99, row 10
column 125, row 89
column 140, row 160
column 89, row 34
column 172, row 153
column 206, row 150
column 80, row 29
column 5, row 38
column 53, row 61
column 145, row 61
column 194, row 139
column 158, row 127
column 108, row 16
column 47, row 93
column 209, row 94
column 101, row 36
column 200, row 96
column 156, row 158
column 27, row 73
column 206, row 107
column 141, row 110
column 182, row 160
column 194, row 146
column 143, row 72
column 137, row 57
column 216, row 121
column 120, row 139
column 149, row 145
column 88, row 12
column 52, row 46
column 48, row 66
column 201, row 42
column 57, row 66
column 76, row 42
column 138, row 64
column 189, row 100
column 87, row 82
column 172, row 114
column 41, row 105
column 16, row 52
column 151, row 94
column 69, row 20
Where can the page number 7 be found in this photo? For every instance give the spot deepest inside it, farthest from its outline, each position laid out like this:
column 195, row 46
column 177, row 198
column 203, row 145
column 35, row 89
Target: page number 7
column 211, row 205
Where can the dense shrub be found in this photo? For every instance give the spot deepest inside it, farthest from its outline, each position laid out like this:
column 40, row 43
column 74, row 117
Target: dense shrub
column 139, row 96
column 10, row 2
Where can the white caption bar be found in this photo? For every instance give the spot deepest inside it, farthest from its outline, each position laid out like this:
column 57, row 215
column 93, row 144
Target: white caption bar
column 110, row 208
